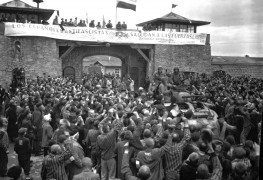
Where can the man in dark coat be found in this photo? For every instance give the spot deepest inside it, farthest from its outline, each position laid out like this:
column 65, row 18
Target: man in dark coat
column 37, row 117
column 143, row 173
column 12, row 120
column 109, row 25
column 189, row 167
column 2, row 98
column 175, row 79
column 23, row 149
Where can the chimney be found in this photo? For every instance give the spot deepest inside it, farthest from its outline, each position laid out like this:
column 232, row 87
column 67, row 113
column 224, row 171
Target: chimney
column 38, row 1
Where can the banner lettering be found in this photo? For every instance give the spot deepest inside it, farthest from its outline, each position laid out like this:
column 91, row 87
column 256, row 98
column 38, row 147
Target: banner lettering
column 104, row 35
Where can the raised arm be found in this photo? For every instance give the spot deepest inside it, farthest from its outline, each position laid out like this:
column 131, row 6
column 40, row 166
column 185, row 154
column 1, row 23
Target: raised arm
column 187, row 135
column 139, row 126
column 167, row 146
column 217, row 168
column 125, row 168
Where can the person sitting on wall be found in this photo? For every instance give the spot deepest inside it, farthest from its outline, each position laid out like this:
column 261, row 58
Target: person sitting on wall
column 124, row 26
column 66, row 22
column 80, row 23
column 109, row 25
column 92, row 24
column 3, row 18
column 145, row 27
column 21, row 18
column 32, row 20
column 84, row 23
column 118, row 26
column 75, row 23
column 62, row 23
column 70, row 23
column 44, row 22
column 98, row 25
column 55, row 21
column 10, row 18
column 149, row 27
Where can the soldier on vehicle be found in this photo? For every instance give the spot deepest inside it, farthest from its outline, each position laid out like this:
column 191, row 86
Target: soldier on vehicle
column 157, row 77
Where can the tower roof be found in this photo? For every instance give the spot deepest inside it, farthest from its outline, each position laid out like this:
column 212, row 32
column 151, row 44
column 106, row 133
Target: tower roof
column 174, row 19
column 17, row 3
column 17, row 6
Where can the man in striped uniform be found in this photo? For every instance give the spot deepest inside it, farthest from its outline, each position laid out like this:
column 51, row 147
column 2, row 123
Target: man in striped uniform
column 53, row 166
column 173, row 157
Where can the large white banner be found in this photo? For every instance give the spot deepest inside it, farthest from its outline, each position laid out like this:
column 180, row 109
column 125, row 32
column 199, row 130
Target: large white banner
column 104, row 35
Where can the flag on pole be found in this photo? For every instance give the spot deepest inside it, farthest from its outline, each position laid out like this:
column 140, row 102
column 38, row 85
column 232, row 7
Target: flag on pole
column 174, row 5
column 127, row 4
column 60, row 25
column 103, row 22
column 87, row 18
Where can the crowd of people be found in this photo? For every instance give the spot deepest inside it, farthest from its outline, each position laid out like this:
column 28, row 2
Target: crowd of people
column 106, row 129
column 19, row 18
column 92, row 24
column 22, row 18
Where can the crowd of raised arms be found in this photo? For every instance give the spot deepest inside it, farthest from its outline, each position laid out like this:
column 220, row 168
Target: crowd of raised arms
column 103, row 128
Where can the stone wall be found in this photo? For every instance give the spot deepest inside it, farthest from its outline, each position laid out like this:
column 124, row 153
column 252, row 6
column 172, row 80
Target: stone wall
column 194, row 58
column 254, row 70
column 37, row 56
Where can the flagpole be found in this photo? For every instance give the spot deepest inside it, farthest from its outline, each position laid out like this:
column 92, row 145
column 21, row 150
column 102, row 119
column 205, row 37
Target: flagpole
column 115, row 17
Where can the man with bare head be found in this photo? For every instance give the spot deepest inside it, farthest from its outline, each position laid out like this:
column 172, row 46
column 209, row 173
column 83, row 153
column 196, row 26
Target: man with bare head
column 53, row 166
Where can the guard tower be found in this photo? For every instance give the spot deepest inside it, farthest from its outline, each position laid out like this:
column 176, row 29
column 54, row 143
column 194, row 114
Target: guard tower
column 173, row 23
column 18, row 11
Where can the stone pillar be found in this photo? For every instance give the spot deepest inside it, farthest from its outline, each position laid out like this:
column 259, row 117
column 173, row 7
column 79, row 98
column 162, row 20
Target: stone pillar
column 150, row 64
column 129, row 65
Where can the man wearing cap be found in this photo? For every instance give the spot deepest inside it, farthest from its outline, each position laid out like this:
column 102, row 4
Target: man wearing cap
column 158, row 75
column 175, row 79
column 47, row 133
column 23, row 149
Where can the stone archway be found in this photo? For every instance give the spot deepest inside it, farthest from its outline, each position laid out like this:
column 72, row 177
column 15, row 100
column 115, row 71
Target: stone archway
column 69, row 72
column 103, row 64
column 130, row 58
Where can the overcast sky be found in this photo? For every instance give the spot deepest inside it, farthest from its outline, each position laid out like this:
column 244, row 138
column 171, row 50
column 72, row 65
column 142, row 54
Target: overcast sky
column 236, row 25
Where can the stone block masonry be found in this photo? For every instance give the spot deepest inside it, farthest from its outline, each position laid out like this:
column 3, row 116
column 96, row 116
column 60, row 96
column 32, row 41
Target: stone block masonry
column 255, row 70
column 36, row 55
column 191, row 58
